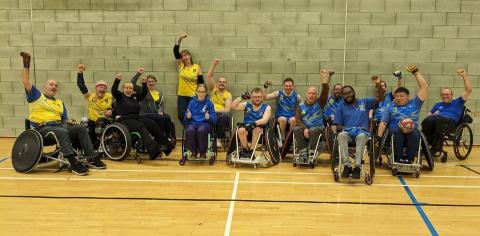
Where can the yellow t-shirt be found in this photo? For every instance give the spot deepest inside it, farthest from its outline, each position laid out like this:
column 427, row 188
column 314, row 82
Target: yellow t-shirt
column 187, row 79
column 45, row 110
column 97, row 107
column 219, row 99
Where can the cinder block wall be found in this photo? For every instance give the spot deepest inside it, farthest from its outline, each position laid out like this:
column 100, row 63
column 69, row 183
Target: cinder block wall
column 256, row 40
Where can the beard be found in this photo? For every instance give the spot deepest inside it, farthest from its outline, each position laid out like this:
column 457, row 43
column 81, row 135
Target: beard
column 350, row 100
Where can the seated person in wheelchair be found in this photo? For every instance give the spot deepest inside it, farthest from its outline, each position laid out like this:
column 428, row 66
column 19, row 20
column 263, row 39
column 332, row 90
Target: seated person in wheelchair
column 49, row 114
column 402, row 117
column 352, row 117
column 256, row 115
column 287, row 103
column 127, row 110
column 222, row 99
column 99, row 105
column 445, row 115
column 311, row 114
column 332, row 103
column 152, row 108
column 199, row 119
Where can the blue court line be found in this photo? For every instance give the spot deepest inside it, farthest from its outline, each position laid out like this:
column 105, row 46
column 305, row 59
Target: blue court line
column 418, row 205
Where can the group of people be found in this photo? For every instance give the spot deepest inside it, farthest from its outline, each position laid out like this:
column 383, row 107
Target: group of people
column 204, row 107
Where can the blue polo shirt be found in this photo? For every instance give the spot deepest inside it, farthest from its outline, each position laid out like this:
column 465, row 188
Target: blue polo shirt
column 331, row 106
column 452, row 110
column 383, row 105
column 354, row 115
column 395, row 113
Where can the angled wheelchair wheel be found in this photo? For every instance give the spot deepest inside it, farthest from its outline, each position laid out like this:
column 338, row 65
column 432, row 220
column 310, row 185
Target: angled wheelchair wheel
column 27, row 151
column 334, row 158
column 116, row 141
column 463, row 143
column 287, row 145
column 426, row 151
column 273, row 150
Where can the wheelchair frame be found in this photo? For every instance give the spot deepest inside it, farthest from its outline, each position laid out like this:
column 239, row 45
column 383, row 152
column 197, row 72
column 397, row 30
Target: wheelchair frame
column 312, row 157
column 457, row 138
column 211, row 149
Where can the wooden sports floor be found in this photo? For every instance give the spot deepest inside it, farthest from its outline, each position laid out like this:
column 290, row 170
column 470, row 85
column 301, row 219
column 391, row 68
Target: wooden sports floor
column 162, row 198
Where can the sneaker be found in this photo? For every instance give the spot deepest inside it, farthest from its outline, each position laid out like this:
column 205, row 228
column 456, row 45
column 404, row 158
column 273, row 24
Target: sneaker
column 77, row 167
column 347, row 170
column 356, row 173
column 96, row 162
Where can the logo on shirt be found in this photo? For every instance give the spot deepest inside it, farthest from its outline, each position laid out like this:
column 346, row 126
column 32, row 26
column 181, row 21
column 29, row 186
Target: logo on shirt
column 361, row 107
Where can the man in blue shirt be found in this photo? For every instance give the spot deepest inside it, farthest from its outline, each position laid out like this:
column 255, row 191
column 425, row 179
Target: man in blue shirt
column 388, row 98
column 332, row 102
column 402, row 108
column 352, row 117
column 287, row 103
column 445, row 115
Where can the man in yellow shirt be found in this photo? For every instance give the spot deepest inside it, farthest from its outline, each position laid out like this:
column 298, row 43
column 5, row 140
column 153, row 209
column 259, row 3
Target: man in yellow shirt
column 47, row 113
column 99, row 104
column 222, row 99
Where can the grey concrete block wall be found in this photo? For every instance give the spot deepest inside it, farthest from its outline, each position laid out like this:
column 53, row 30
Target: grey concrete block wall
column 256, row 40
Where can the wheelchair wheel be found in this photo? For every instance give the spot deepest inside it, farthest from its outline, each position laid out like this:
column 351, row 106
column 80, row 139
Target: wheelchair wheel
column 426, row 151
column 462, row 145
column 116, row 141
column 287, row 145
column 27, row 151
column 272, row 144
column 334, row 158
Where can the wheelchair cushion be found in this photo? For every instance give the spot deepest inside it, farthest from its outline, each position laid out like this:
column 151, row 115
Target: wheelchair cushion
column 27, row 151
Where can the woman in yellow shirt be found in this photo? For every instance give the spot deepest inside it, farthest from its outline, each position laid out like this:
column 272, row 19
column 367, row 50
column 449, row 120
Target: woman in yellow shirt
column 189, row 75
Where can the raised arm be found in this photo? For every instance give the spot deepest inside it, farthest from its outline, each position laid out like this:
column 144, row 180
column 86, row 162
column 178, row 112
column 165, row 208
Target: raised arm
column 140, row 96
column 268, row 96
column 117, row 94
column 380, row 90
column 211, row 71
column 26, row 71
column 239, row 104
column 399, row 76
column 422, row 83
column 176, row 48
column 326, row 76
column 468, row 85
column 81, row 81
column 135, row 78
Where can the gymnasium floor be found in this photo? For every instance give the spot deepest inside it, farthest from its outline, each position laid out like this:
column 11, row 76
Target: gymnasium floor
column 162, row 198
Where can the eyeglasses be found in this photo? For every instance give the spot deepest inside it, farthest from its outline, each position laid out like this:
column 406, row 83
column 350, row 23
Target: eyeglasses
column 201, row 91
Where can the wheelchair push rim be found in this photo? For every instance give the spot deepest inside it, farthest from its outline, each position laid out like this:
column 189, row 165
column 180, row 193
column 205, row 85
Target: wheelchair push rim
column 116, row 141
column 463, row 142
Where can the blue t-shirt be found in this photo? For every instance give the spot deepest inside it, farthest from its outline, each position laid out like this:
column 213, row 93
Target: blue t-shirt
column 332, row 105
column 452, row 110
column 312, row 115
column 198, row 110
column 250, row 116
column 395, row 112
column 286, row 104
column 356, row 115
column 383, row 105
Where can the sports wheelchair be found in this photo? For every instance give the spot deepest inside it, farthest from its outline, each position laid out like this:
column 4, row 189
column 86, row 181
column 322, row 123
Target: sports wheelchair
column 31, row 148
column 266, row 143
column 211, row 149
column 312, row 154
column 461, row 138
column 386, row 147
column 367, row 169
column 117, row 142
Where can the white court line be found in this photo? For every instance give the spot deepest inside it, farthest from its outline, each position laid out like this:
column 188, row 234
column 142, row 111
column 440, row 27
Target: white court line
column 245, row 182
column 228, row 225
column 256, row 172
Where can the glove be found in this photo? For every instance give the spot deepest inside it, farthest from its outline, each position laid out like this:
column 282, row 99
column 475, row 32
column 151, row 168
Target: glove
column 397, row 74
column 72, row 122
column 412, row 69
column 246, row 95
column 267, row 84
column 250, row 127
column 26, row 59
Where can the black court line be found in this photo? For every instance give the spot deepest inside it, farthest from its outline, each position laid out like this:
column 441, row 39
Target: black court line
column 3, row 159
column 470, row 169
column 242, row 200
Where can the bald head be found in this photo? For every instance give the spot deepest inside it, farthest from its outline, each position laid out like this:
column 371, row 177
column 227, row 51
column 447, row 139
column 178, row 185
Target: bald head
column 50, row 87
column 311, row 94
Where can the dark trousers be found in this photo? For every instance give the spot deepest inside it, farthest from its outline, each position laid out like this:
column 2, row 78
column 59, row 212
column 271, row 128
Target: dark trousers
column 182, row 104
column 135, row 125
column 223, row 123
column 434, row 128
column 401, row 140
column 66, row 134
column 197, row 137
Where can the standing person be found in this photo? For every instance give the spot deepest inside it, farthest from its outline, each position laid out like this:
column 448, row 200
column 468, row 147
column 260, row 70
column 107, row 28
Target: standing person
column 311, row 114
column 199, row 119
column 222, row 99
column 444, row 115
column 99, row 104
column 189, row 76
column 352, row 117
column 287, row 103
column 127, row 111
column 402, row 108
column 152, row 110
column 49, row 114
column 256, row 115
